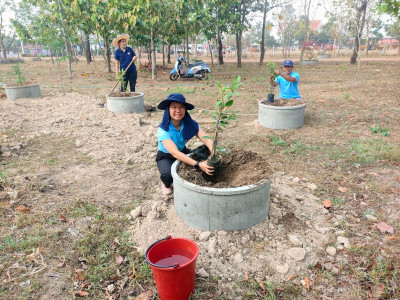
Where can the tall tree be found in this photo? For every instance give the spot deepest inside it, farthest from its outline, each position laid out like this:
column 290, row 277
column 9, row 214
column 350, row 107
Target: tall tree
column 360, row 7
column 3, row 5
column 393, row 29
column 306, row 10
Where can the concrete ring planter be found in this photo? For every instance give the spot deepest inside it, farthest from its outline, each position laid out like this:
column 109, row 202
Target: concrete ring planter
column 24, row 91
column 281, row 117
column 225, row 209
column 309, row 62
column 126, row 105
column 324, row 56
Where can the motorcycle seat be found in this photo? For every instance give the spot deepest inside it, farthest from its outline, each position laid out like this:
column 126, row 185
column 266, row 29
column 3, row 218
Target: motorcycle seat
column 195, row 64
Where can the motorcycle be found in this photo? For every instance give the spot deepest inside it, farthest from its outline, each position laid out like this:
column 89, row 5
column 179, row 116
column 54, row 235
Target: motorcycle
column 198, row 69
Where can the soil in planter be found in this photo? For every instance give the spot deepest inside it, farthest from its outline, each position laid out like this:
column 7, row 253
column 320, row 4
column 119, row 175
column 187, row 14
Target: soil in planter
column 238, row 168
column 26, row 83
column 124, row 94
column 283, row 102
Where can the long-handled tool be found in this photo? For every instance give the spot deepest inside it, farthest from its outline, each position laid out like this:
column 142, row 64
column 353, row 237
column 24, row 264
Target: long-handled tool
column 123, row 73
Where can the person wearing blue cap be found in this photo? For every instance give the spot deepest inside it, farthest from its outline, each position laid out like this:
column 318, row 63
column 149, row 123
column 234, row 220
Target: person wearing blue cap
column 176, row 128
column 288, row 81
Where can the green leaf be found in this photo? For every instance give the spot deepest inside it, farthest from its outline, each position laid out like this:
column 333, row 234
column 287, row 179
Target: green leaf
column 206, row 137
column 229, row 103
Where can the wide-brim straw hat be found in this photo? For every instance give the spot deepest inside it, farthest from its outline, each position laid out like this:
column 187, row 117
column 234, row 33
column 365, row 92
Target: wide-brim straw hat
column 120, row 37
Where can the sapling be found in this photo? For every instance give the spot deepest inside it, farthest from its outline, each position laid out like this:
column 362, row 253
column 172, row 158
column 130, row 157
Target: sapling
column 222, row 116
column 120, row 78
column 272, row 76
column 18, row 72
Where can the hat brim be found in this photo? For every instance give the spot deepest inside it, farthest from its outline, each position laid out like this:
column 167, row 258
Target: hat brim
column 118, row 38
column 164, row 104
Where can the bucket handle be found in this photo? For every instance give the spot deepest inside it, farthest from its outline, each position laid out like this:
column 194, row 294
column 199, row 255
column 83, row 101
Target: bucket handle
column 158, row 266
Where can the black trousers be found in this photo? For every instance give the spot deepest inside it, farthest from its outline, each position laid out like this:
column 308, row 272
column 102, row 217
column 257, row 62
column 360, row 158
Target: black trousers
column 164, row 163
column 131, row 77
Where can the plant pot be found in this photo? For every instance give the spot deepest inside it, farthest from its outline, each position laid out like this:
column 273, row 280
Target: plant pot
column 310, row 62
column 281, row 117
column 23, row 91
column 126, row 104
column 324, row 56
column 214, row 161
column 271, row 98
column 225, row 209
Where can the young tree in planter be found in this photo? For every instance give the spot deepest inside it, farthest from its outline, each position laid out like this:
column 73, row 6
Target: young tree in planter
column 222, row 116
column 272, row 76
column 20, row 80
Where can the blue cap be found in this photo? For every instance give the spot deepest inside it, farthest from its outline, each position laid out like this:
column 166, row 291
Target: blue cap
column 176, row 97
column 288, row 63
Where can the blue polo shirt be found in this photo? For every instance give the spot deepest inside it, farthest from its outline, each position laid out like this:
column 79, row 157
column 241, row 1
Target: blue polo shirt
column 125, row 58
column 172, row 134
column 288, row 89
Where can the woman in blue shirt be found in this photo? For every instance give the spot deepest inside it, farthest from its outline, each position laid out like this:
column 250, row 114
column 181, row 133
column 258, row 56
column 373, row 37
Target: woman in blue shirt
column 123, row 57
column 176, row 128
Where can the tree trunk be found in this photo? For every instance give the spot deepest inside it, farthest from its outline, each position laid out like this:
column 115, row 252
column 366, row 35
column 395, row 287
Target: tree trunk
column 367, row 41
column 66, row 42
column 108, row 52
column 187, row 41
column 3, row 50
column 163, row 53
column 101, row 50
column 153, row 54
column 209, row 48
column 169, row 54
column 239, row 48
column 88, row 54
column 220, row 50
column 262, row 44
column 307, row 29
column 22, row 47
column 361, row 12
column 51, row 56
column 334, row 39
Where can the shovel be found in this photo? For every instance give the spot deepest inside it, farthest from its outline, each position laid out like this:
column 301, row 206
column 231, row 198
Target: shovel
column 123, row 73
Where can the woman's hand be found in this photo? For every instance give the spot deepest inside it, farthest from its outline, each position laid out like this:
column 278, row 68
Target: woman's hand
column 206, row 168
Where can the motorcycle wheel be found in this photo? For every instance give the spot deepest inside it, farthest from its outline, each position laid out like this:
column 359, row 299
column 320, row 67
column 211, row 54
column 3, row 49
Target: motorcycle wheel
column 174, row 76
column 204, row 75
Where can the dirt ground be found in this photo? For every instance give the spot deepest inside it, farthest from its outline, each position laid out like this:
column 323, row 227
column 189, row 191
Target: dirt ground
column 80, row 192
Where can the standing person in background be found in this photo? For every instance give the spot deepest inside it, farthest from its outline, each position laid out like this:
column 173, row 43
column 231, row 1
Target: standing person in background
column 288, row 81
column 123, row 57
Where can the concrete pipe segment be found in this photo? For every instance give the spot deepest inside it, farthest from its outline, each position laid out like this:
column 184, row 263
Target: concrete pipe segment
column 225, row 209
column 126, row 104
column 24, row 91
column 281, row 117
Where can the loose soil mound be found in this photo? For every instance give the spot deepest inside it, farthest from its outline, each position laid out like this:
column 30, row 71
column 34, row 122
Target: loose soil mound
column 125, row 94
column 238, row 168
column 284, row 102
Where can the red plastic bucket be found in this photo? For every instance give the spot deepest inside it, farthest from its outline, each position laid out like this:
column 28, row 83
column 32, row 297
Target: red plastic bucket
column 173, row 263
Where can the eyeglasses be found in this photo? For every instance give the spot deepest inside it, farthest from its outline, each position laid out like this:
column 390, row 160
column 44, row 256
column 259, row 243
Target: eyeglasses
column 177, row 107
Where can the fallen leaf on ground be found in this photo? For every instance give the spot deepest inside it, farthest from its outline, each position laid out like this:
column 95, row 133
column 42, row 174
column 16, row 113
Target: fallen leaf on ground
column 145, row 295
column 261, row 283
column 79, row 274
column 393, row 238
column 119, row 259
column 321, row 100
column 82, row 293
column 383, row 227
column 327, row 203
column 246, row 276
column 63, row 219
column 291, row 277
column 375, row 174
column 397, row 179
column 133, row 272
column 85, row 74
column 22, row 208
column 342, row 189
column 116, row 240
column 217, row 294
column 307, row 281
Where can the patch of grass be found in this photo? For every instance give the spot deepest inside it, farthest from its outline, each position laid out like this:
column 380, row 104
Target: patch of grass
column 3, row 179
column 181, row 90
column 81, row 208
column 277, row 141
column 378, row 128
column 14, row 244
column 100, row 247
column 346, row 96
column 370, row 151
column 376, row 270
column 298, row 147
